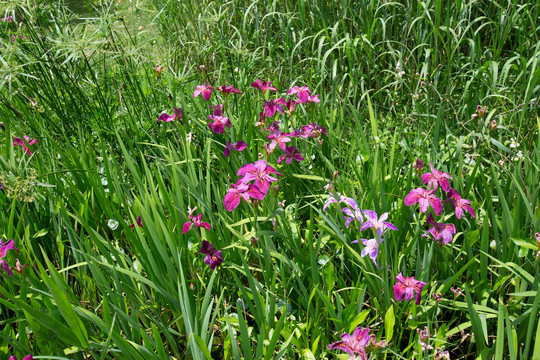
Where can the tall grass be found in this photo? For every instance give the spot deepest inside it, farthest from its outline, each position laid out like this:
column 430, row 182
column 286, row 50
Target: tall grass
column 397, row 81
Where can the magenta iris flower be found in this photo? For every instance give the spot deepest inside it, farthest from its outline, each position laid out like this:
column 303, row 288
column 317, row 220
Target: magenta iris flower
column 213, row 257
column 217, row 110
column 240, row 191
column 27, row 357
column 303, row 93
column 205, row 90
column 314, row 99
column 353, row 344
column 312, row 130
column 238, row 146
column 435, row 178
column 270, row 107
column 424, row 198
column 379, row 224
column 5, row 246
column 291, row 153
column 278, row 139
column 138, row 223
column 227, row 90
column 407, row 288
column 443, row 233
column 273, row 127
column 460, row 204
column 218, row 123
column 263, row 85
column 20, row 142
column 195, row 221
column 168, row 118
column 260, row 172
column 290, row 106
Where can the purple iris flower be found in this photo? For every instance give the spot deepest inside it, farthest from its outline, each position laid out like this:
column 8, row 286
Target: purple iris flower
column 138, row 223
column 218, row 123
column 195, row 221
column 205, row 90
column 213, row 257
column 303, row 93
column 261, row 172
column 443, row 233
column 270, row 107
column 459, row 203
column 378, row 224
column 263, row 85
column 238, row 146
column 290, row 153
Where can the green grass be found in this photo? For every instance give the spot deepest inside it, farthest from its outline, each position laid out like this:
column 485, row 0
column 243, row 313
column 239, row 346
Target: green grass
column 82, row 82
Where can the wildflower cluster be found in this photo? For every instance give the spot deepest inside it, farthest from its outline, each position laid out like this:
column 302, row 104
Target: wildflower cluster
column 20, row 187
column 443, row 233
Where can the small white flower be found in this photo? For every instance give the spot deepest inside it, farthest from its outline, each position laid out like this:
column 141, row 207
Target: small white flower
column 513, row 143
column 518, row 156
column 189, row 138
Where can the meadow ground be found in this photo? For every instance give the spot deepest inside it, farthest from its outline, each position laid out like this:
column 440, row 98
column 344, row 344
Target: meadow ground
column 269, row 179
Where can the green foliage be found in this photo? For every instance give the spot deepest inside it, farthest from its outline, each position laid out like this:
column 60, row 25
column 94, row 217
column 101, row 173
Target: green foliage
column 397, row 81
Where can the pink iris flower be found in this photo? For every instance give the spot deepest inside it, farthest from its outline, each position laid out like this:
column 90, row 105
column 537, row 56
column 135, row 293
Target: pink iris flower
column 168, row 118
column 240, row 191
column 314, row 99
column 311, row 130
column 407, row 288
column 352, row 214
column 379, row 224
column 273, row 128
column 196, row 222
column 278, row 139
column 260, row 172
column 270, row 107
column 205, row 90
column 303, row 93
column 238, row 146
column 227, row 90
column 424, row 198
column 213, row 257
column 353, row 344
column 263, row 85
column 138, row 222
column 20, row 142
column 436, row 177
column 460, row 204
column 290, row 153
column 218, row 123
column 443, row 233
column 336, row 198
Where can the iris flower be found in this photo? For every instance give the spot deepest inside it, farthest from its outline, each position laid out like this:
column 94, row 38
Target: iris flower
column 278, row 139
column 27, row 357
column 138, row 222
column 353, row 344
column 314, row 99
column 263, row 85
column 5, row 246
column 260, row 172
column 407, row 288
column 290, row 153
column 371, row 248
column 168, row 118
column 303, row 93
column 270, row 107
column 378, row 224
column 196, row 222
column 227, row 90
column 217, row 110
column 205, row 90
column 20, row 142
column 213, row 257
column 218, row 123
column 441, row 231
column 435, row 178
column 460, row 204
column 238, row 146
column 424, row 198
column 240, row 191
